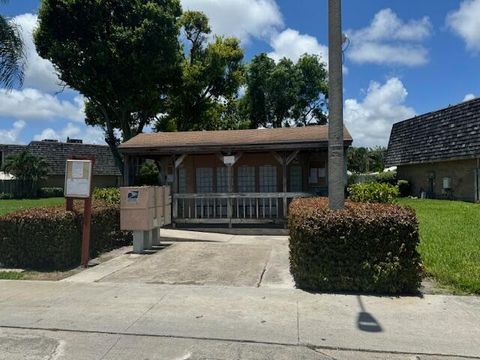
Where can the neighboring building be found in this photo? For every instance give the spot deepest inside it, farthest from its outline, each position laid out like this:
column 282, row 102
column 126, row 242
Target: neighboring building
column 105, row 172
column 235, row 176
column 439, row 152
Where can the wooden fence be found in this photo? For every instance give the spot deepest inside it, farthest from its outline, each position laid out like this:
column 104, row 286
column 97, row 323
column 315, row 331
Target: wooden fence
column 18, row 188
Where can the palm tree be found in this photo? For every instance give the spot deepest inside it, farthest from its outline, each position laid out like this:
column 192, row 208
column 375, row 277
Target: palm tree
column 29, row 169
column 12, row 53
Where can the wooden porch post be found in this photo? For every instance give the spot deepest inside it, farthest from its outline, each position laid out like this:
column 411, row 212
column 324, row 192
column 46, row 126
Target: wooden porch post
column 285, row 189
column 176, row 164
column 174, row 191
column 126, row 170
column 285, row 161
column 230, row 190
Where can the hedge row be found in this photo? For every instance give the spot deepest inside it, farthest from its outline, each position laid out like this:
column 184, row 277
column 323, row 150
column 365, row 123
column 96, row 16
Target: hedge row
column 50, row 238
column 363, row 248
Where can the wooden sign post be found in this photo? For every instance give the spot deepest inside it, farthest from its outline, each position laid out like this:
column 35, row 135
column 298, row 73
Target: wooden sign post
column 78, row 185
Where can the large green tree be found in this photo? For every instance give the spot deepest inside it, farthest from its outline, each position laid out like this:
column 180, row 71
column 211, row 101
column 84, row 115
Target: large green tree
column 285, row 93
column 363, row 160
column 122, row 55
column 31, row 170
column 212, row 73
column 12, row 55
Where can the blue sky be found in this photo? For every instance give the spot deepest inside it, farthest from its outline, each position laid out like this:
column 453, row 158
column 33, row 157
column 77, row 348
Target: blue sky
column 405, row 58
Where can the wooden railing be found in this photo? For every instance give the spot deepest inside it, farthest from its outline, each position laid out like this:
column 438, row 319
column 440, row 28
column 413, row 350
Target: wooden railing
column 232, row 208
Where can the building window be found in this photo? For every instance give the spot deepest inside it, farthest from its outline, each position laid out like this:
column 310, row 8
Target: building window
column 296, row 178
column 204, row 180
column 246, row 179
column 222, row 179
column 268, row 178
column 182, row 180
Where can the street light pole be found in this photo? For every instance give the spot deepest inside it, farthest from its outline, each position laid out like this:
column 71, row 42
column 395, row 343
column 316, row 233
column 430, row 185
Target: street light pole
column 336, row 162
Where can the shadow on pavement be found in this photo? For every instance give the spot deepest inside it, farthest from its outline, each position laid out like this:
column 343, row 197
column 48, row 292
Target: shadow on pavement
column 366, row 321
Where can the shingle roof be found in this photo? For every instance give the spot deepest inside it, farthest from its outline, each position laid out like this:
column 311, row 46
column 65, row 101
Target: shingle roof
column 56, row 154
column 232, row 138
column 447, row 134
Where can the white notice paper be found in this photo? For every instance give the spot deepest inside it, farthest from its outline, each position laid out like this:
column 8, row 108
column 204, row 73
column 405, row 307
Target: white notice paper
column 77, row 169
column 79, row 187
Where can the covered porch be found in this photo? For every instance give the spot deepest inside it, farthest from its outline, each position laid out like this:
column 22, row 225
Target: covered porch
column 234, row 177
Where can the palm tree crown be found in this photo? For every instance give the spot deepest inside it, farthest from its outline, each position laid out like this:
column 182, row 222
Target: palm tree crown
column 12, row 54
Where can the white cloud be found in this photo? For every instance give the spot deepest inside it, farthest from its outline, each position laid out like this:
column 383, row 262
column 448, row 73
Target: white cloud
column 39, row 73
column 89, row 135
column 370, row 120
column 469, row 97
column 291, row 44
column 465, row 22
column 32, row 104
column 390, row 40
column 244, row 19
column 11, row 136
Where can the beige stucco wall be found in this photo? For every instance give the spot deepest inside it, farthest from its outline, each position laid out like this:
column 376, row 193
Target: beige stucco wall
column 461, row 172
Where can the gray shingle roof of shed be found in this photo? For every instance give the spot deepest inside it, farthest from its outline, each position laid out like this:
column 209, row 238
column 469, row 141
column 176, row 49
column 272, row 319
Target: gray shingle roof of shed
column 56, row 154
column 448, row 134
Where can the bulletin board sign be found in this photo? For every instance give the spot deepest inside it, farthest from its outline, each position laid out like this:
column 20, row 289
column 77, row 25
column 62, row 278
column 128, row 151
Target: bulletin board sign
column 78, row 179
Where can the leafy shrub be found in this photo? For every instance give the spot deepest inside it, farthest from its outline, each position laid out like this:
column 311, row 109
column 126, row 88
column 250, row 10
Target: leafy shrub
column 49, row 192
column 6, row 196
column 404, row 188
column 50, row 238
column 386, row 177
column 108, row 195
column 363, row 248
column 373, row 193
column 148, row 174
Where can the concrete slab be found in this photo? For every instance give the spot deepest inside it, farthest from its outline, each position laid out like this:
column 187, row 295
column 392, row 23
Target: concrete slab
column 198, row 264
column 184, row 235
column 102, row 270
column 79, row 306
column 434, row 326
column 392, row 324
column 277, row 273
column 20, row 344
column 224, row 313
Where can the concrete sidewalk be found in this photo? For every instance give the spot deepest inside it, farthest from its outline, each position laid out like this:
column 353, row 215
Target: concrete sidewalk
column 329, row 325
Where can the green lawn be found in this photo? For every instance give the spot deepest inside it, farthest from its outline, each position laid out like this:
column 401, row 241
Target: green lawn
column 11, row 275
column 7, row 206
column 450, row 242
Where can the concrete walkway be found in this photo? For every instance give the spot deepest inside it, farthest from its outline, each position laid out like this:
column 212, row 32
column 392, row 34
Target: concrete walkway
column 200, row 258
column 127, row 321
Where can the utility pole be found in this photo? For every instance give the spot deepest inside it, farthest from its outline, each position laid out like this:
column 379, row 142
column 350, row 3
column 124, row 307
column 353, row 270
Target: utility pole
column 336, row 161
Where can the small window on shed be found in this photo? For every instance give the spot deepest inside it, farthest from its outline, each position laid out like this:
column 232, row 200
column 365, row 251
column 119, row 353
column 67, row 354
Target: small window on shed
column 204, row 180
column 182, row 180
column 296, row 178
column 222, row 179
column 268, row 178
column 246, row 179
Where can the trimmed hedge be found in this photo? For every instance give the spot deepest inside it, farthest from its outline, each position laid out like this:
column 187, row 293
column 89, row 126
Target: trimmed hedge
column 373, row 192
column 50, row 238
column 404, row 188
column 49, row 192
column 363, row 248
